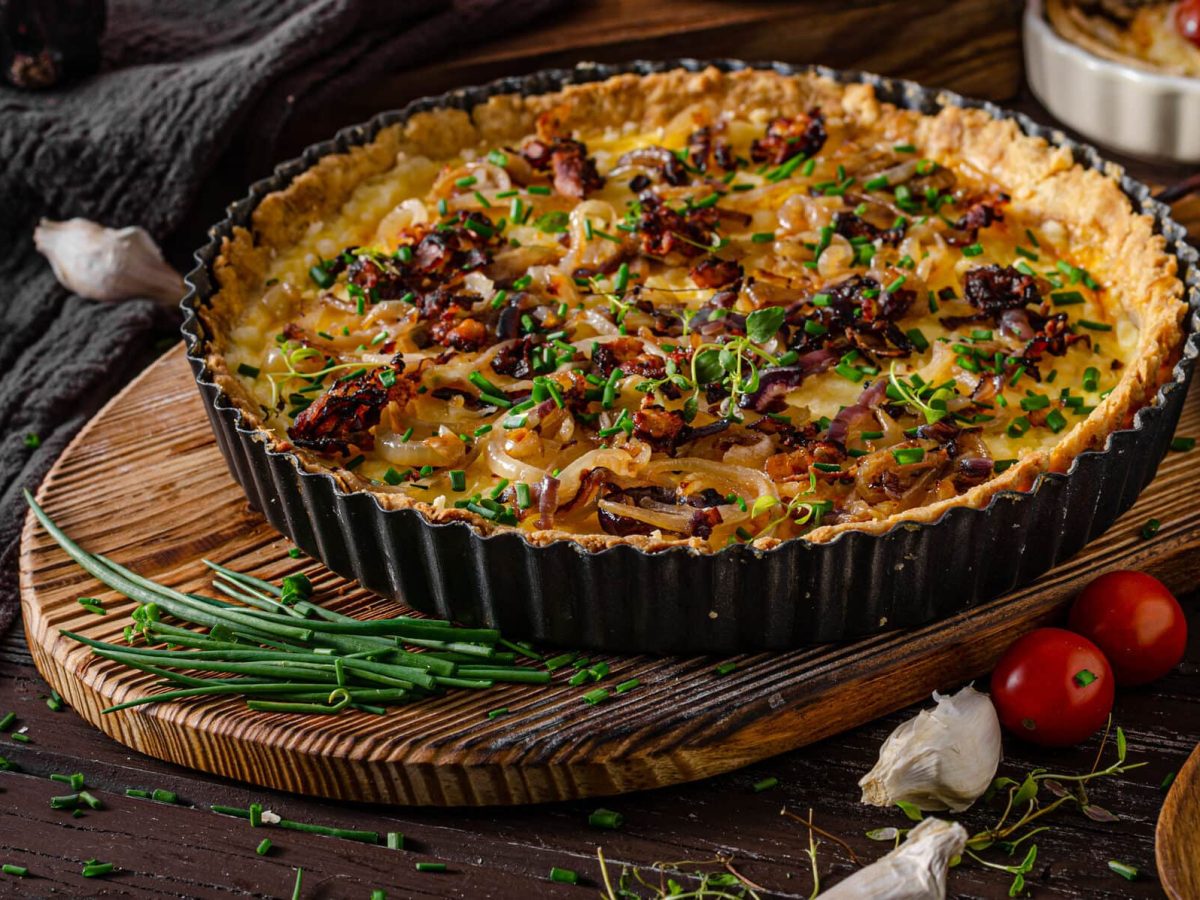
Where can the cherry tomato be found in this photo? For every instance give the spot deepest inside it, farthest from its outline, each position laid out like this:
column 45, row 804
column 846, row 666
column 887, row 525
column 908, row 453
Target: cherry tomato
column 1187, row 20
column 1136, row 621
column 1053, row 687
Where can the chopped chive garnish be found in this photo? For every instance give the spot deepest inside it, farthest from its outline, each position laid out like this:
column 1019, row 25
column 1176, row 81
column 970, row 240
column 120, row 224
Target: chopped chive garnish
column 973, row 250
column 908, row 455
column 1066, row 298
column 248, row 371
column 21, row 871
column 20, row 737
column 1001, row 464
column 599, row 695
column 95, row 870
column 606, row 818
column 7, row 721
column 264, row 847
column 1150, row 529
column 163, row 796
column 765, row 784
column 1094, row 326
column 299, row 882
column 54, row 701
column 1183, row 444
column 725, row 668
column 458, row 480
column 395, row 840
column 137, row 793
column 627, row 685
column 523, row 499
column 762, row 237
column 431, row 867
column 1091, row 378
column 497, row 713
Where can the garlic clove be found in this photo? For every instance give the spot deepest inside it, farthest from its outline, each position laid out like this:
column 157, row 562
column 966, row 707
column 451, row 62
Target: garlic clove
column 916, row 870
column 107, row 264
column 942, row 758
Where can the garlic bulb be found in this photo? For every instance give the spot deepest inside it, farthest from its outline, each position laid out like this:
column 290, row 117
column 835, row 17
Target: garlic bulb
column 916, row 870
column 943, row 758
column 108, row 264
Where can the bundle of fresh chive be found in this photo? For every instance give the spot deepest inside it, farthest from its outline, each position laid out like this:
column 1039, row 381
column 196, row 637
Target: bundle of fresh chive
column 283, row 652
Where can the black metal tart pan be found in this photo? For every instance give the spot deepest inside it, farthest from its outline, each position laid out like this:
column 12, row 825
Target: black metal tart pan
column 675, row 601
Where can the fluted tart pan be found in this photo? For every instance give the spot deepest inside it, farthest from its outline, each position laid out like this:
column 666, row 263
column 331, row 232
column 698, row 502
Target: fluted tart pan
column 677, row 599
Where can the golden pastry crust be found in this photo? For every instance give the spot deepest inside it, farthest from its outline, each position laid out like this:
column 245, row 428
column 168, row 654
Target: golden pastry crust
column 1122, row 249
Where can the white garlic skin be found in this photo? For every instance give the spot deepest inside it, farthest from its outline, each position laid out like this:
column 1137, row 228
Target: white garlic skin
column 107, row 264
column 916, row 870
column 942, row 758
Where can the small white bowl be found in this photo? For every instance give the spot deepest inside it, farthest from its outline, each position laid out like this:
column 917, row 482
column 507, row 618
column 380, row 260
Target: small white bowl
column 1131, row 110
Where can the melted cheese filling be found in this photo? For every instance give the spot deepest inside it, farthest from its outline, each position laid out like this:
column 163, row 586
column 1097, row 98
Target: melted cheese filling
column 763, row 473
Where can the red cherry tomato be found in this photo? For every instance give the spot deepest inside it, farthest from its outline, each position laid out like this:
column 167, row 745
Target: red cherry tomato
column 1136, row 621
column 1187, row 20
column 1053, row 687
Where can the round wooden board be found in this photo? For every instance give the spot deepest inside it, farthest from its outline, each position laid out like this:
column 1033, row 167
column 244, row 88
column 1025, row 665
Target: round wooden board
column 145, row 484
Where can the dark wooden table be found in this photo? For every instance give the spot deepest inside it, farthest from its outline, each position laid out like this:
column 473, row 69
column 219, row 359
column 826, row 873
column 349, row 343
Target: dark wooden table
column 187, row 850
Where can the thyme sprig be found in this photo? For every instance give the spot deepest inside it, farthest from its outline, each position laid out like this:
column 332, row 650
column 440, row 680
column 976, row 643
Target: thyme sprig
column 725, row 884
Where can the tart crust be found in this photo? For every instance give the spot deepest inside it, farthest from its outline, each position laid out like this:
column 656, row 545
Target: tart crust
column 1041, row 178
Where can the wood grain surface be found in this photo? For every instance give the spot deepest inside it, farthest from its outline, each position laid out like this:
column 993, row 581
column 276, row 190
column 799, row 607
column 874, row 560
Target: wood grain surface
column 145, row 484
column 1177, row 836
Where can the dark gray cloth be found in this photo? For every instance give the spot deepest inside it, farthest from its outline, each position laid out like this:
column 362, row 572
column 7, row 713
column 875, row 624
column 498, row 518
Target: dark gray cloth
column 134, row 145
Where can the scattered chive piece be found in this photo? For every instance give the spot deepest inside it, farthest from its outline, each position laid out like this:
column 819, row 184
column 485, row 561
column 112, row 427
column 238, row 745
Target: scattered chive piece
column 54, row 701
column 137, row 794
column 1167, row 781
column 1149, row 530
column 395, row 840
column 1084, row 677
column 91, row 800
column 559, row 661
column 627, row 685
column 599, row 695
column 21, row 738
column 248, row 371
column 264, row 846
column 563, row 876
column 1183, row 444
column 1094, row 326
column 497, row 713
column 431, row 867
column 255, row 815
column 299, row 880
column 7, row 722
column 378, row 894
column 458, row 480
column 725, row 668
column 92, row 605
column 606, row 818
column 766, row 784
column 164, row 796
column 973, row 250
column 97, row 869
column 1126, row 871
column 19, row 871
